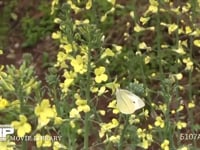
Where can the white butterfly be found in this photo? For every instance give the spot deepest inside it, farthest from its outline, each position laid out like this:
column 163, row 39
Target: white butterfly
column 128, row 102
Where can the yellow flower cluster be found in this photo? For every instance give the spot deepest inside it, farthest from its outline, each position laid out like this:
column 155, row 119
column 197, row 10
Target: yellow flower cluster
column 189, row 64
column 79, row 64
column 181, row 125
column 159, row 122
column 3, row 103
column 45, row 141
column 45, row 113
column 82, row 106
column 165, row 145
column 7, row 145
column 84, row 64
column 22, row 126
column 100, row 76
column 113, row 105
column 106, row 128
column 146, row 138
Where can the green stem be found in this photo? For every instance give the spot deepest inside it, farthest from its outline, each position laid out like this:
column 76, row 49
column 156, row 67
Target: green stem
column 88, row 97
column 20, row 97
column 123, row 133
column 86, row 126
column 158, row 42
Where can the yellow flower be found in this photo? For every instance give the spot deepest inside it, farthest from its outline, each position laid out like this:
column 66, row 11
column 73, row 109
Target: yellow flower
column 181, row 125
column 138, row 28
column 56, row 35
column 80, row 22
column 150, row 126
column 100, row 75
column 143, row 45
column 179, row 76
column 102, row 90
column 57, row 20
column 44, row 112
column 186, row 8
column 72, row 123
column 53, row 5
column 113, row 105
column 153, row 74
column 3, row 103
column 82, row 104
column 141, row 133
column 67, row 48
column 197, row 43
column 175, row 10
column 153, row 7
column 191, row 104
column 126, row 36
column 180, row 108
column 173, row 111
column 188, row 30
column 133, row 119
column 102, row 112
column 112, row 139
column 42, row 141
column 172, row 28
column 74, row 113
column 184, row 43
column 79, row 64
column 61, row 57
column 88, row 4
column 79, row 131
column 144, row 20
column 106, row 127
column 159, row 122
column 58, row 146
column 147, row 59
column 58, row 121
column 84, row 108
column 144, row 144
column 69, row 80
column 189, row 63
column 80, row 101
column 146, row 113
column 117, row 47
column 7, row 145
column 147, row 138
column 73, row 7
column 180, row 50
column 107, row 52
column 163, row 107
column 103, row 18
column 22, row 126
column 165, row 145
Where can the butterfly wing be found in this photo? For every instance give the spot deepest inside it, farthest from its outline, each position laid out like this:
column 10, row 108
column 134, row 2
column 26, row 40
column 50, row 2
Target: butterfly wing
column 128, row 102
column 124, row 103
column 138, row 101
